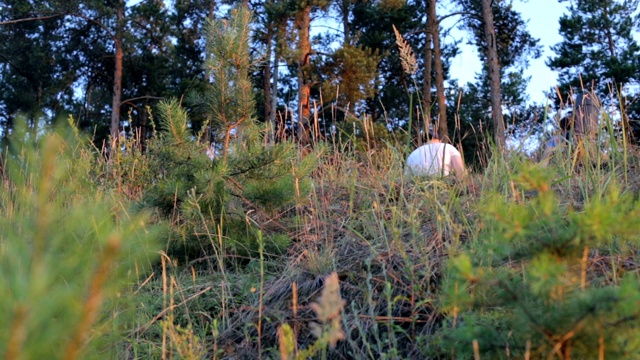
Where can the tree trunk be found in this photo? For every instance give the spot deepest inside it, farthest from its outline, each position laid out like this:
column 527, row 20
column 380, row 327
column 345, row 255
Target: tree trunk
column 427, row 101
column 117, row 76
column 266, row 85
column 143, row 125
column 274, row 90
column 443, row 130
column 494, row 75
column 302, row 25
column 344, row 9
column 212, row 10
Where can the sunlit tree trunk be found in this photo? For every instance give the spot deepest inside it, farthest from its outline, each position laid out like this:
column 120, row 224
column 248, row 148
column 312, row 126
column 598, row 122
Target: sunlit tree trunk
column 494, row 75
column 427, row 100
column 302, row 25
column 212, row 10
column 345, row 10
column 434, row 28
column 266, row 83
column 117, row 74
column 274, row 90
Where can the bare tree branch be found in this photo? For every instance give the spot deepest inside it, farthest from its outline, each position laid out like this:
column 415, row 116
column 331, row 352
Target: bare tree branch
column 9, row 22
column 130, row 101
column 48, row 17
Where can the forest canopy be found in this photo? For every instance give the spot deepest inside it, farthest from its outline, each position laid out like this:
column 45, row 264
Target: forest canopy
column 107, row 62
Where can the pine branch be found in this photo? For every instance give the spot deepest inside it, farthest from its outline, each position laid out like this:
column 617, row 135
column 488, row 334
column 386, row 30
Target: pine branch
column 37, row 18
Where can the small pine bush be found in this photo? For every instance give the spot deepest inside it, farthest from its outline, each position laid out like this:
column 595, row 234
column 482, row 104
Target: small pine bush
column 527, row 286
column 69, row 250
column 208, row 200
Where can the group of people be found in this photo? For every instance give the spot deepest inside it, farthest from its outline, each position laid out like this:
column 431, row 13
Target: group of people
column 437, row 158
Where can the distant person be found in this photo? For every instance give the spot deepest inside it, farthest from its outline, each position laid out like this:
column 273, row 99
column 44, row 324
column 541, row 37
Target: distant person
column 586, row 110
column 435, row 158
column 559, row 141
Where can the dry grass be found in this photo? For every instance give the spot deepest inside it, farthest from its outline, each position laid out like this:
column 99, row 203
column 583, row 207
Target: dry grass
column 387, row 238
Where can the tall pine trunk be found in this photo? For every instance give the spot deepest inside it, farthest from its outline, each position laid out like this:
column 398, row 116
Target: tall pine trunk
column 274, row 90
column 427, row 100
column 434, row 27
column 266, row 85
column 346, row 28
column 302, row 25
column 494, row 75
column 117, row 75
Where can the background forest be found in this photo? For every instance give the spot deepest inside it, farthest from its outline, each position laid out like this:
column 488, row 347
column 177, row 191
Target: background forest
column 200, row 179
column 105, row 62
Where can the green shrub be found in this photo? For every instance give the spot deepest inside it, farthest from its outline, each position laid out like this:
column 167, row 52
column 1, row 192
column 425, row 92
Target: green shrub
column 69, row 250
column 527, row 286
column 205, row 199
column 208, row 200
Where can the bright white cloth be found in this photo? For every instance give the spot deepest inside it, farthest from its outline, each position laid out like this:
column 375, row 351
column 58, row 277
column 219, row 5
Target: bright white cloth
column 431, row 159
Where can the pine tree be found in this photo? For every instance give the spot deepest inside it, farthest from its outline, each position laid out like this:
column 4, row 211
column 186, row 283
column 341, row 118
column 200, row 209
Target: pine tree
column 527, row 286
column 433, row 37
column 373, row 23
column 598, row 47
column 514, row 47
column 230, row 100
column 69, row 249
column 598, row 53
column 208, row 197
column 34, row 69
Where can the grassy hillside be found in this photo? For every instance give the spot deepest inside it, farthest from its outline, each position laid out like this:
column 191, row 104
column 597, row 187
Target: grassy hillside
column 142, row 258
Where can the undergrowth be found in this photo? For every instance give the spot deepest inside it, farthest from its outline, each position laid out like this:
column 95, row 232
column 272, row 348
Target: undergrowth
column 531, row 261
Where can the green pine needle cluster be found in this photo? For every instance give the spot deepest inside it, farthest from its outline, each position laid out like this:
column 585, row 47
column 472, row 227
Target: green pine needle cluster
column 526, row 286
column 69, row 251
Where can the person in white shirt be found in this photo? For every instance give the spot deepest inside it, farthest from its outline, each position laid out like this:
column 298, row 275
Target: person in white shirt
column 435, row 158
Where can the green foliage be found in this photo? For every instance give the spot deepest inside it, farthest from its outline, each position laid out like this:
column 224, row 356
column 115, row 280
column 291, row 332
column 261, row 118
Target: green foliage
column 36, row 69
column 522, row 287
column 272, row 177
column 207, row 198
column 598, row 47
column 351, row 75
column 547, row 268
column 364, row 135
column 372, row 26
column 181, row 164
column 185, row 183
column 229, row 100
column 515, row 47
column 69, row 250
